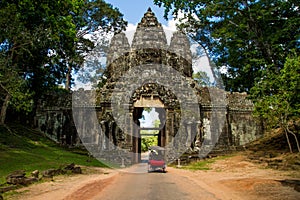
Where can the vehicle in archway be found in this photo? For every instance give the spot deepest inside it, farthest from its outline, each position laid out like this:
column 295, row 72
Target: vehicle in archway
column 156, row 159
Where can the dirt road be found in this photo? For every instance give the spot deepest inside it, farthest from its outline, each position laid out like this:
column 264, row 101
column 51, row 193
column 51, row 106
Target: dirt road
column 233, row 178
column 154, row 186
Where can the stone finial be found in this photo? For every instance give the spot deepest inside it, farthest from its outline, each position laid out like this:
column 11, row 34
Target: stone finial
column 180, row 46
column 118, row 46
column 149, row 20
column 149, row 33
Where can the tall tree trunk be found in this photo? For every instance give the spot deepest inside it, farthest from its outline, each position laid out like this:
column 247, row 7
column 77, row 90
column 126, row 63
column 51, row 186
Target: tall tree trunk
column 295, row 136
column 4, row 109
column 288, row 140
column 68, row 78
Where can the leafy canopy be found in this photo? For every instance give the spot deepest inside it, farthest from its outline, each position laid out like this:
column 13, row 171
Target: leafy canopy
column 43, row 42
column 277, row 96
column 246, row 37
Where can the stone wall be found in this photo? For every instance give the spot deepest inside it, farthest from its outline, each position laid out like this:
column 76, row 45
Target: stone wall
column 54, row 118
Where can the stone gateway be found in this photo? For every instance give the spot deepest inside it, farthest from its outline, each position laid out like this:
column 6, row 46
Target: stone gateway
column 145, row 66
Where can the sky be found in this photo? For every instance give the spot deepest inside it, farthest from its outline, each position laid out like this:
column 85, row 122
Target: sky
column 133, row 10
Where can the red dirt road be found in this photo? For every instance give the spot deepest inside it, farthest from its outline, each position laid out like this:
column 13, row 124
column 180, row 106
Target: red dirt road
column 232, row 178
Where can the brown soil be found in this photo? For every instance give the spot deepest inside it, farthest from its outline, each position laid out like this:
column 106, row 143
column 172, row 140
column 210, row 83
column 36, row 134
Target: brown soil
column 67, row 187
column 231, row 178
column 237, row 178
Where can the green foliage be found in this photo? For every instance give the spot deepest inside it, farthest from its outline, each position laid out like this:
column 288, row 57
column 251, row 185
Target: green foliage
column 246, row 37
column 28, row 150
column 16, row 88
column 276, row 97
column 42, row 43
column 202, row 78
column 204, row 164
column 156, row 123
column 148, row 141
column 148, row 109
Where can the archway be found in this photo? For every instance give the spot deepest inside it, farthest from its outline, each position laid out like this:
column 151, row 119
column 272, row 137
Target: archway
column 148, row 127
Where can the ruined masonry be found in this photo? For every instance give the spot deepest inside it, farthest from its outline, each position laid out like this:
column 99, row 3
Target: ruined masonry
column 224, row 122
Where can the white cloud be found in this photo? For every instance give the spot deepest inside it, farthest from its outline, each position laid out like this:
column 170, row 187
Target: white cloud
column 130, row 30
column 202, row 64
column 170, row 29
column 223, row 70
column 149, row 118
column 171, row 25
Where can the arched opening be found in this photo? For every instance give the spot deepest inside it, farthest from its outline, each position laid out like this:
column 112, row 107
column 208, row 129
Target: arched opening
column 150, row 116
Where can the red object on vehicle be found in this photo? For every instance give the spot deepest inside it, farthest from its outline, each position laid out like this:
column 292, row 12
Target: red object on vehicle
column 157, row 163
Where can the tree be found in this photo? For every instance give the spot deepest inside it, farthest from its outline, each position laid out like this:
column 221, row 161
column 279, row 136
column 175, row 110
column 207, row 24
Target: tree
column 95, row 17
column 247, row 37
column 13, row 85
column 93, row 70
column 148, row 141
column 16, row 93
column 43, row 42
column 253, row 40
column 202, row 78
column 277, row 97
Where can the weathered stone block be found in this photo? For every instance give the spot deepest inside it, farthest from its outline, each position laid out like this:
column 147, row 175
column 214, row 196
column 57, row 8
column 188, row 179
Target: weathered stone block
column 70, row 166
column 51, row 172
column 7, row 188
column 16, row 177
column 77, row 170
column 35, row 174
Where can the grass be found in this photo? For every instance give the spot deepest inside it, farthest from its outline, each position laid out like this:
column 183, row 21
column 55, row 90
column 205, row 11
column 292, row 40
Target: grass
column 27, row 149
column 204, row 164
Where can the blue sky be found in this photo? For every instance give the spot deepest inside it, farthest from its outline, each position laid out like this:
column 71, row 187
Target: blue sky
column 133, row 10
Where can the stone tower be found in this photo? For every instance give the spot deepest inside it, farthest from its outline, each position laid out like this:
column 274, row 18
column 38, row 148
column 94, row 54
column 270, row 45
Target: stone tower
column 149, row 46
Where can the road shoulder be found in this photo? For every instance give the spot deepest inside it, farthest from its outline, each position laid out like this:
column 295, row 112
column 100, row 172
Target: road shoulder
column 67, row 187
